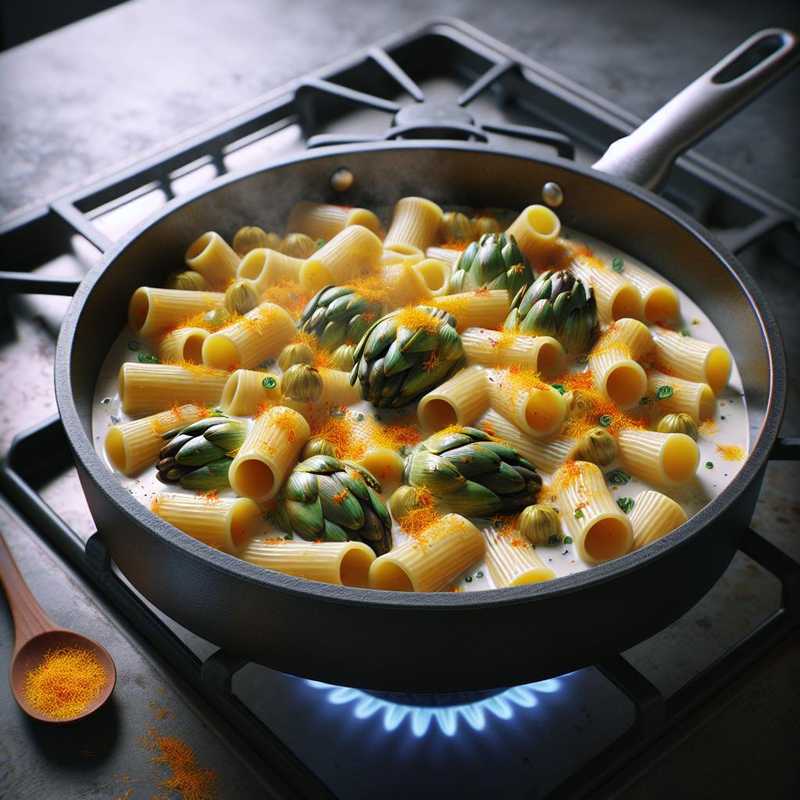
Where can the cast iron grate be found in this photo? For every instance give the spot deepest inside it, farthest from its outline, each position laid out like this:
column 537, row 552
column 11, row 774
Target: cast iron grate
column 392, row 89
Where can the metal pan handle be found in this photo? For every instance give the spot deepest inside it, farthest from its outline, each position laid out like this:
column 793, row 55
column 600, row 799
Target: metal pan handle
column 646, row 155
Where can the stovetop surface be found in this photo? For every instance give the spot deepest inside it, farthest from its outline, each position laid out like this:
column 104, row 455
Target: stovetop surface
column 516, row 743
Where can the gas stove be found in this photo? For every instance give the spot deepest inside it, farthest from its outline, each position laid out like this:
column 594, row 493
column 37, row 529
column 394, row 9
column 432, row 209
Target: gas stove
column 583, row 734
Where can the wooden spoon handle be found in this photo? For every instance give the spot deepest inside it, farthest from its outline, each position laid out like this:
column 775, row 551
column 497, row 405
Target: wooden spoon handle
column 29, row 616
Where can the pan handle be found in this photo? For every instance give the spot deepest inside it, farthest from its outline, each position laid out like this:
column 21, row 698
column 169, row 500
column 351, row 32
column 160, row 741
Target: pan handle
column 646, row 155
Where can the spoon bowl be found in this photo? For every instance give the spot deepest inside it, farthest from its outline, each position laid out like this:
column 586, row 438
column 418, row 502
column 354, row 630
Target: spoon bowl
column 33, row 653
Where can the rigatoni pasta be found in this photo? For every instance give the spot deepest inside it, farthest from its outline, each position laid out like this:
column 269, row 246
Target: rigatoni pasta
column 223, row 523
column 433, row 562
column 542, row 354
column 536, row 231
column 533, row 406
column 324, row 221
column 486, row 308
column 671, row 395
column 183, row 344
column 213, row 258
column 269, row 268
column 513, row 562
column 665, row 459
column 415, row 223
column 145, row 388
column 340, row 563
column 153, row 311
column 692, row 359
column 654, row 515
column 246, row 391
column 353, row 252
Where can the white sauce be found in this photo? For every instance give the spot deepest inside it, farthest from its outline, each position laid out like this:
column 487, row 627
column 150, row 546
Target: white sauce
column 731, row 428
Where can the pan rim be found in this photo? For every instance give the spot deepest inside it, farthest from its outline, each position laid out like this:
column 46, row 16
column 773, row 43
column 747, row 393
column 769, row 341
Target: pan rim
column 131, row 508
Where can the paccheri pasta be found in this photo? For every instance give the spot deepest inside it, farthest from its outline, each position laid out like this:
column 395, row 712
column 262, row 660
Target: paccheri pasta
column 378, row 397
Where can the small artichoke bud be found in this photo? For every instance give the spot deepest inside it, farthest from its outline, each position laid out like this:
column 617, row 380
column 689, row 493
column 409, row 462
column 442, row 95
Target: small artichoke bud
column 578, row 403
column 302, row 382
column 217, row 317
column 188, row 280
column 317, row 447
column 251, row 236
column 297, row 353
column 404, row 499
column 342, row 357
column 540, row 524
column 482, row 225
column 598, row 446
column 241, row 296
column 456, row 227
column 298, row 245
column 678, row 423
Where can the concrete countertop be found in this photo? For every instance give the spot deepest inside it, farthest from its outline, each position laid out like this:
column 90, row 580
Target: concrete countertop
column 77, row 102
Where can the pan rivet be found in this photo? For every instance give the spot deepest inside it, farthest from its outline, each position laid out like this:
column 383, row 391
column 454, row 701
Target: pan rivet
column 342, row 179
column 552, row 194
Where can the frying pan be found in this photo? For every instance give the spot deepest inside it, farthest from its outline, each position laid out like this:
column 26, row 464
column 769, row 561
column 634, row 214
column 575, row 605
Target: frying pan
column 447, row 641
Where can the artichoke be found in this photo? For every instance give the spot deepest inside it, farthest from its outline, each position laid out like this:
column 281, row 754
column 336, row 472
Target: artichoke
column 494, row 261
column 540, row 524
column 197, row 456
column 472, row 474
column 557, row 304
column 333, row 501
column 338, row 315
column 406, row 354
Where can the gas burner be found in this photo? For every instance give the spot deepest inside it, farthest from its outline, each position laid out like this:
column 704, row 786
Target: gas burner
column 449, row 711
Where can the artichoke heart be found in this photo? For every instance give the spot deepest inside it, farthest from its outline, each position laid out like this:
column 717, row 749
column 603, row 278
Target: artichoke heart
column 559, row 305
column 338, row 315
column 332, row 500
column 540, row 524
column 494, row 262
column 469, row 473
column 406, row 354
column 302, row 382
column 598, row 446
column 197, row 456
column 678, row 423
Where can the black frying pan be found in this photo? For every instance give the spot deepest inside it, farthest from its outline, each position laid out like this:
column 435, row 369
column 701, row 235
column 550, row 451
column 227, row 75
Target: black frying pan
column 399, row 641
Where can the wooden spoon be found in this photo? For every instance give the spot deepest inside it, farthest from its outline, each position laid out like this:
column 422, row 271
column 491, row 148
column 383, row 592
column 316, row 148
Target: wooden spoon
column 36, row 634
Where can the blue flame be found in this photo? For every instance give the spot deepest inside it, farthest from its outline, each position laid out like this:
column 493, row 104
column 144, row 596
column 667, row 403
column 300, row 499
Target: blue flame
column 448, row 716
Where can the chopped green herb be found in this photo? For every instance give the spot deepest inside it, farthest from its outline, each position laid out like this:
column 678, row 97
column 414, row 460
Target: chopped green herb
column 147, row 358
column 133, row 345
column 663, row 392
column 479, row 574
column 685, row 332
column 578, row 513
column 554, row 539
column 567, row 540
column 360, row 417
column 617, row 264
column 559, row 388
column 625, row 503
column 320, row 243
column 605, row 420
column 269, row 382
column 468, row 579
column 709, row 465
column 618, row 477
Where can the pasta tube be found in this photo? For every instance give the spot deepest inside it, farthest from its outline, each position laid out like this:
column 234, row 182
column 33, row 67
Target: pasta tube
column 213, row 258
column 546, row 455
column 668, row 459
column 618, row 376
column 152, row 311
column 459, row 400
column 132, row 446
column 660, row 302
column 485, row 308
column 260, row 334
column 447, row 254
column 268, row 453
column 654, row 515
column 183, row 344
column 269, row 267
column 514, row 562
column 616, row 296
column 533, row 406
column 386, row 465
column 337, row 390
column 542, row 354
column 401, row 252
column 145, row 388
column 342, row 563
column 693, row 359
column 599, row 528
column 323, row 221
column 246, row 391
column 629, row 333
column 536, row 230
column 434, row 273
column 431, row 563
column 224, row 523
column 353, row 252
column 404, row 285
column 415, row 222
column 671, row 395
